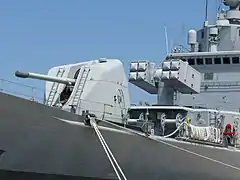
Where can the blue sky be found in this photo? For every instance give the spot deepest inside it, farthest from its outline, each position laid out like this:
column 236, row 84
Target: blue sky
column 37, row 35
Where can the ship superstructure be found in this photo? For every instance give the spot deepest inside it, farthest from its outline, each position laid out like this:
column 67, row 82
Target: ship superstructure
column 202, row 83
column 180, row 137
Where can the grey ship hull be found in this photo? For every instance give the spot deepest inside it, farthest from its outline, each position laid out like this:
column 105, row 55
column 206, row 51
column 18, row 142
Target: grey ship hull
column 35, row 145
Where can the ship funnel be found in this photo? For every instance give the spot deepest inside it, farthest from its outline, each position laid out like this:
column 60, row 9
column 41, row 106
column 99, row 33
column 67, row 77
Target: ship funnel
column 67, row 81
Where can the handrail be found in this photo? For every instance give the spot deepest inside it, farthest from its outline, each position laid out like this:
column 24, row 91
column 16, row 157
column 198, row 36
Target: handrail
column 221, row 83
column 30, row 93
column 27, row 91
column 17, row 83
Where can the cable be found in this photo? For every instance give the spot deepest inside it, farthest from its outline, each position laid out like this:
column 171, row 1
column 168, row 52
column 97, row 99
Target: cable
column 158, row 140
column 107, row 150
column 176, row 147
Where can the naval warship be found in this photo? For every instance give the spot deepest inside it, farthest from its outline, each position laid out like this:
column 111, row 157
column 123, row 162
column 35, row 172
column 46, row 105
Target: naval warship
column 86, row 127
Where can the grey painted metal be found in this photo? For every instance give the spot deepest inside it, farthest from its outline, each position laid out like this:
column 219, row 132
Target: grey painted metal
column 219, row 68
column 214, row 53
column 79, row 85
column 34, row 141
column 45, row 77
column 54, row 88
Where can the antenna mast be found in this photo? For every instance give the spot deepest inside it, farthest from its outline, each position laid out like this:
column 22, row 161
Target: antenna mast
column 219, row 6
column 206, row 13
column 206, row 10
column 166, row 38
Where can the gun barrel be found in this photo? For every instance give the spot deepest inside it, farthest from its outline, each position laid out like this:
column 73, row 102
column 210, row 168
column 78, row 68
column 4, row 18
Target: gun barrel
column 44, row 77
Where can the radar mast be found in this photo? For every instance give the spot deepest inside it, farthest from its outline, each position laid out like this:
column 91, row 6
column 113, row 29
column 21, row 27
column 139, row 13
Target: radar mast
column 233, row 15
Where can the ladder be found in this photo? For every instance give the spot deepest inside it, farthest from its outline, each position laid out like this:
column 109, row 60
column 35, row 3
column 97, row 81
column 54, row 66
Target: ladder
column 81, row 79
column 54, row 88
column 122, row 103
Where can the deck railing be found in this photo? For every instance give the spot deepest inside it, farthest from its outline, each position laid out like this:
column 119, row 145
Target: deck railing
column 36, row 94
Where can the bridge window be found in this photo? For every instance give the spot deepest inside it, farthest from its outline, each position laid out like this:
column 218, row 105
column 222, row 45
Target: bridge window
column 191, row 61
column 217, row 60
column 226, row 60
column 208, row 61
column 208, row 76
column 235, row 60
column 199, row 61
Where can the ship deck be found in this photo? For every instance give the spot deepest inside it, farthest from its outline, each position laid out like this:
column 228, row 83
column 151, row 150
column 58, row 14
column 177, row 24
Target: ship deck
column 35, row 142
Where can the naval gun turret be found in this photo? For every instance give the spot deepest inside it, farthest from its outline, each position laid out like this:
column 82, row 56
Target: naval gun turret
column 99, row 86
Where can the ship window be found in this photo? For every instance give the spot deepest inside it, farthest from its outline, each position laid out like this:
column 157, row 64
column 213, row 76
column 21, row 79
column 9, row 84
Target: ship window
column 217, row 60
column 191, row 61
column 199, row 61
column 208, row 61
column 226, row 60
column 208, row 76
column 235, row 60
